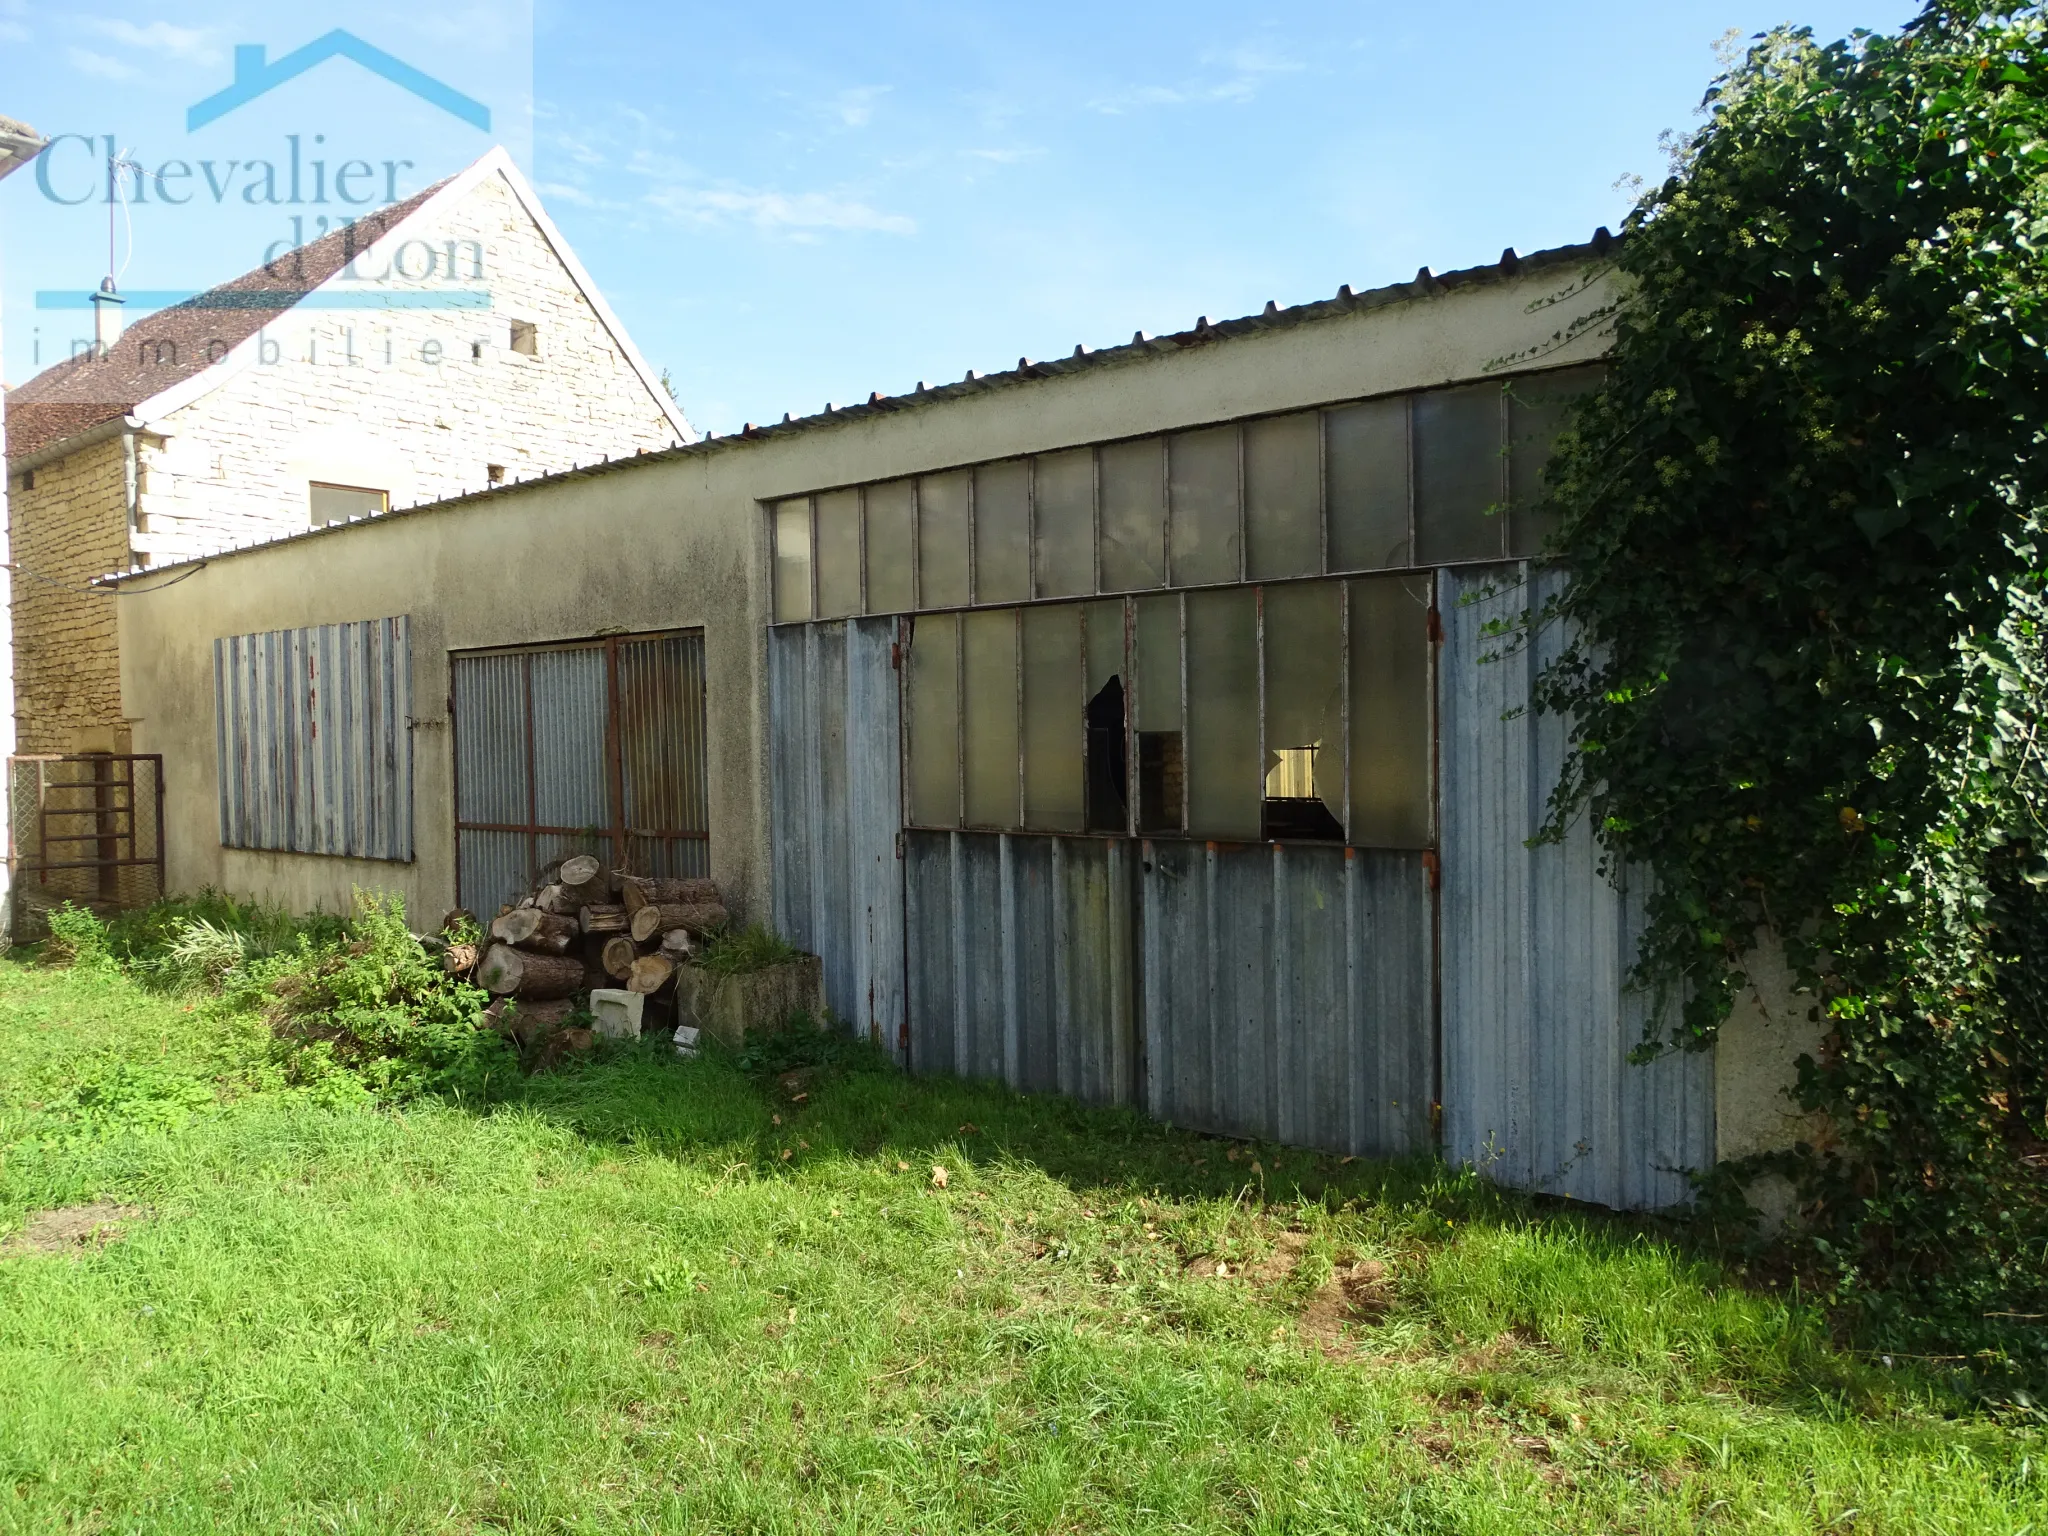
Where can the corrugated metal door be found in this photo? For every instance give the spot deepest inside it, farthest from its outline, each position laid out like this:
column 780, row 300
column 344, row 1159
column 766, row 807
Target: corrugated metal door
column 594, row 746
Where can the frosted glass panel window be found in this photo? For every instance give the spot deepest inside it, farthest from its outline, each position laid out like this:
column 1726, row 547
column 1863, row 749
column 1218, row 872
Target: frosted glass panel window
column 934, row 688
column 892, row 546
column 1223, row 771
column 838, row 535
column 1283, row 496
column 1054, row 722
column 1106, row 768
column 1002, row 532
column 1133, row 515
column 1538, row 406
column 1459, row 475
column 793, row 559
column 1064, row 509
column 1390, row 728
column 942, row 502
column 1156, row 720
column 1367, row 468
column 1305, row 748
column 1204, row 541
column 989, row 672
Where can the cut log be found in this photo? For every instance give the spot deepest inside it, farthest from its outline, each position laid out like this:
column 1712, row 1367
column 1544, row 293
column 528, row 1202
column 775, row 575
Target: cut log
column 661, row 888
column 693, row 916
column 456, row 917
column 677, row 946
column 592, row 893
column 551, row 899
column 604, row 918
column 580, row 869
column 650, row 973
column 550, row 874
column 635, row 892
column 531, row 928
column 510, row 972
column 459, row 959
column 619, row 955
column 591, row 947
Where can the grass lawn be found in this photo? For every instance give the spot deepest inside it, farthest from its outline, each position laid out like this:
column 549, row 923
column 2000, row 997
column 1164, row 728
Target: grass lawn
column 655, row 1295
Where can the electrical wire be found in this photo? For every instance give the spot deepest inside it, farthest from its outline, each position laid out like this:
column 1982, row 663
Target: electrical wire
column 97, row 591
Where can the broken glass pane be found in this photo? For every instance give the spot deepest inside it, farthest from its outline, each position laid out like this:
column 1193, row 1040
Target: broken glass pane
column 1305, row 748
column 1053, row 721
column 838, row 535
column 1538, row 405
column 892, row 546
column 1063, row 509
column 1157, row 713
column 1133, row 515
column 1459, row 475
column 1002, row 532
column 1107, row 768
column 793, row 559
column 934, row 689
column 1367, row 465
column 1223, row 714
column 989, row 671
column 1283, row 496
column 1205, row 540
column 942, row 502
column 1390, row 719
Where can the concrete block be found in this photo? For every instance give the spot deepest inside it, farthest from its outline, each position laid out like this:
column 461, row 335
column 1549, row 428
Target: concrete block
column 617, row 1012
column 686, row 1040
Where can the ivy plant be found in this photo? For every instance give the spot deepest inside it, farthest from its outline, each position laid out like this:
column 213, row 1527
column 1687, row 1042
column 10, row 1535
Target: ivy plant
column 1803, row 526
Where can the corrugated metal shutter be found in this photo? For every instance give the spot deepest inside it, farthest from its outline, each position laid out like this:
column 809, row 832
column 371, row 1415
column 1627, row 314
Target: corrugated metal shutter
column 1538, row 1020
column 314, row 740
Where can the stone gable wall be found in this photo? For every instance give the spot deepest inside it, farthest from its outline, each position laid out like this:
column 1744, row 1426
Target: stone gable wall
column 71, row 525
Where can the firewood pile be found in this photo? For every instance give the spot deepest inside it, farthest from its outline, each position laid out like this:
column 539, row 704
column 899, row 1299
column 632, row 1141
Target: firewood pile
column 583, row 926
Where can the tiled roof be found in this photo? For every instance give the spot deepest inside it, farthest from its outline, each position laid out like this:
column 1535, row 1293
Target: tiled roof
column 72, row 397
column 1140, row 349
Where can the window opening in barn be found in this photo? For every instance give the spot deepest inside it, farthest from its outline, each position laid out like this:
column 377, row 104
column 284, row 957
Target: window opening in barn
column 1538, row 405
column 1283, row 496
column 1054, row 714
column 835, row 529
column 891, row 521
column 1459, row 475
column 793, row 559
column 1002, row 532
column 1389, row 683
column 943, row 525
column 989, row 723
column 1105, row 720
column 1162, row 797
column 1222, row 738
column 1133, row 515
column 1063, row 522
column 933, row 692
column 1366, row 477
column 1206, row 534
column 339, row 503
column 526, row 338
column 1303, row 633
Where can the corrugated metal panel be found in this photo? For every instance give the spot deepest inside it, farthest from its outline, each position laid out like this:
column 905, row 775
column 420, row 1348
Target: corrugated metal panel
column 1021, row 961
column 313, row 732
column 663, row 755
column 1288, row 993
column 1537, row 1021
column 836, row 804
column 571, row 722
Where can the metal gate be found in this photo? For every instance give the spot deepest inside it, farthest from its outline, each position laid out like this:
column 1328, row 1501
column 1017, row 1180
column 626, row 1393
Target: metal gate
column 85, row 828
column 590, row 746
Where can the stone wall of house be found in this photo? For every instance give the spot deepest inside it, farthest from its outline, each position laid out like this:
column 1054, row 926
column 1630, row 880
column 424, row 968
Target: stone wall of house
column 70, row 525
column 418, row 402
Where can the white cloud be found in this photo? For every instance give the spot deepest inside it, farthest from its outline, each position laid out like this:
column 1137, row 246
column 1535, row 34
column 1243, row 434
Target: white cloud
column 562, row 191
column 795, row 215
column 86, row 62
column 1233, row 75
column 13, row 32
column 855, row 108
column 192, row 43
column 1003, row 156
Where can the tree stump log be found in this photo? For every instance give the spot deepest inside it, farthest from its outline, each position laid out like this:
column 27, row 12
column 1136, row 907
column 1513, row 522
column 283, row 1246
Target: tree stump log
column 692, row 916
column 619, row 955
column 650, row 973
column 511, row 972
column 531, row 928
column 602, row 917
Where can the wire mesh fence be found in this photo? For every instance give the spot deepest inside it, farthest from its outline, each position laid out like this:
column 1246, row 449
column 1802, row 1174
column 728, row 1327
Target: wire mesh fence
column 86, row 828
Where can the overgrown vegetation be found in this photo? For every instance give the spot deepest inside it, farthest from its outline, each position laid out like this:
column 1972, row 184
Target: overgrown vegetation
column 1804, row 523
column 738, row 952
column 649, row 1294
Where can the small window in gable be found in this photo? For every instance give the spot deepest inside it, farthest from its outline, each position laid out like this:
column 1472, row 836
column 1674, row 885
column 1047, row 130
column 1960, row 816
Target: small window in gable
column 339, row 503
column 525, row 338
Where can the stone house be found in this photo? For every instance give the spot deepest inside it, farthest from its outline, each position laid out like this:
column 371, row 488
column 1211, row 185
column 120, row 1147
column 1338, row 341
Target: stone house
column 446, row 344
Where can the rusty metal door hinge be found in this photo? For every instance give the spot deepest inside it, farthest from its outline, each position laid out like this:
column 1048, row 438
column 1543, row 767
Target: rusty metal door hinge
column 1436, row 625
column 1432, row 869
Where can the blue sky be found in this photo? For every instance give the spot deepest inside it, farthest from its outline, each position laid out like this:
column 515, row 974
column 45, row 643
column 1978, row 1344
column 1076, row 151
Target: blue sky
column 806, row 202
